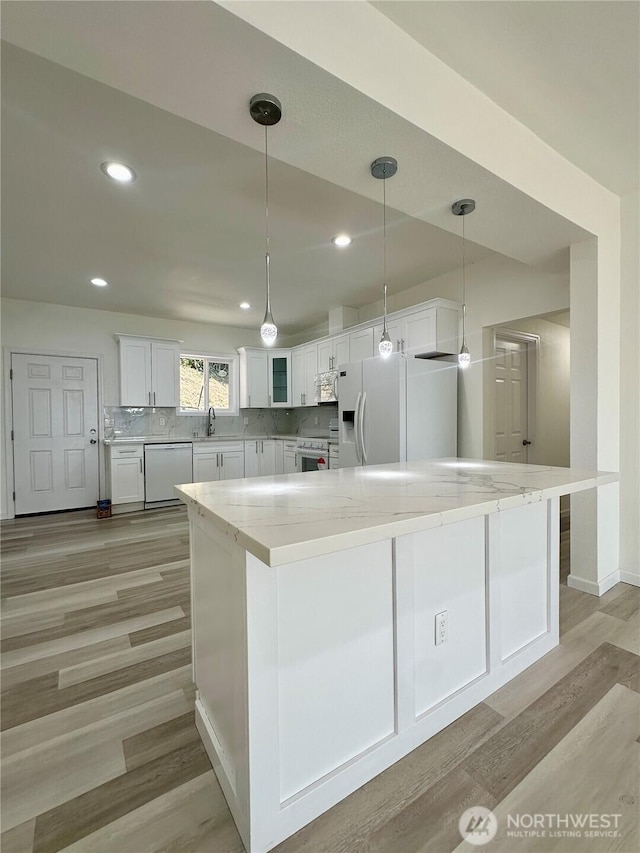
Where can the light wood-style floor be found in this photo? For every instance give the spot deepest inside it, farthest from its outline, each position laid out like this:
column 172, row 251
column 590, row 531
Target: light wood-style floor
column 101, row 755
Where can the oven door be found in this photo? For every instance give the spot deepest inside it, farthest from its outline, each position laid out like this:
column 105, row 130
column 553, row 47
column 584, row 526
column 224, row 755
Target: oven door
column 312, row 460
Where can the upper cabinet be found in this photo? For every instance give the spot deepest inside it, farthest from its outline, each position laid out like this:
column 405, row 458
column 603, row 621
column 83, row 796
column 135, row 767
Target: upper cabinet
column 361, row 344
column 149, row 371
column 265, row 378
column 304, row 366
column 428, row 331
column 333, row 352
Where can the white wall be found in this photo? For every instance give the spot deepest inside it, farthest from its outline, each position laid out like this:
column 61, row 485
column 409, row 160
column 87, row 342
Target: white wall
column 630, row 389
column 57, row 328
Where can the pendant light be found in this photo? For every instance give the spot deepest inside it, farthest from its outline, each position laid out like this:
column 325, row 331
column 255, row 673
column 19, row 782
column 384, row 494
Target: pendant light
column 461, row 208
column 383, row 168
column 267, row 111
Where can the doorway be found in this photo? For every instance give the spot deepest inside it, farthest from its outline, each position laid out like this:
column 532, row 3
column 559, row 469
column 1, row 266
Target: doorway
column 55, row 432
column 515, row 361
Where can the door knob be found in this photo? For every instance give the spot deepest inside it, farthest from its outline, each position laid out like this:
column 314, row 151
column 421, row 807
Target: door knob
column 92, row 441
column 525, row 442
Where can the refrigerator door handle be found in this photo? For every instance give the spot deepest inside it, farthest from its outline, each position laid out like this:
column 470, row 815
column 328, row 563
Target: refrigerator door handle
column 356, row 428
column 362, row 447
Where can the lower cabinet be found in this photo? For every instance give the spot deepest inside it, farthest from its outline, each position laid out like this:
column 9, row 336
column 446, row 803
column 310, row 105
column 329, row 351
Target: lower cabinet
column 260, row 457
column 290, row 460
column 126, row 474
column 225, row 462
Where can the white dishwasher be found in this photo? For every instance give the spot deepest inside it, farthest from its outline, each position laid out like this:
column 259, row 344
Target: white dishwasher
column 166, row 466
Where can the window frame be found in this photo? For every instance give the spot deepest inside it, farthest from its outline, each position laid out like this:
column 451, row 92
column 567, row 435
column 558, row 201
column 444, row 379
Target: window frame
column 233, row 360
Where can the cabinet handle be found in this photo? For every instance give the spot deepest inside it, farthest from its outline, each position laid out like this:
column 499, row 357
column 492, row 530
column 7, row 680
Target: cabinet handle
column 154, row 398
column 217, row 460
column 262, row 447
column 269, row 398
column 398, row 345
column 249, row 400
column 402, row 342
column 149, row 397
column 127, row 451
column 141, row 465
column 222, row 460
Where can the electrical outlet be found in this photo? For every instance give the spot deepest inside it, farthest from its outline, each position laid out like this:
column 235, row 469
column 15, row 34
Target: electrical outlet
column 163, row 421
column 442, row 627
column 316, row 421
column 246, row 421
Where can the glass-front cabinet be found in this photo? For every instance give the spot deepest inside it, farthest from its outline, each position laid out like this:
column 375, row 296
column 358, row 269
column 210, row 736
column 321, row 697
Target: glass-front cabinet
column 280, row 378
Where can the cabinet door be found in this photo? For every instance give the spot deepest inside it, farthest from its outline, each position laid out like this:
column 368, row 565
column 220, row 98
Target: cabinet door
column 257, row 379
column 361, row 344
column 341, row 351
column 251, row 458
column 290, row 463
column 279, row 379
column 165, row 373
column 420, row 334
column 135, row 372
column 232, row 465
column 279, row 457
column 325, row 356
column 267, row 457
column 298, row 377
column 206, row 467
column 127, row 480
column 396, row 333
column 310, row 370
column 447, row 330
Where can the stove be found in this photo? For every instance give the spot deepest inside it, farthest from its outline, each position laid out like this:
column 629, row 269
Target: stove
column 312, row 454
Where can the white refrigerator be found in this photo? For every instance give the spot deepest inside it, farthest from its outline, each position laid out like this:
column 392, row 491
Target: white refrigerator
column 397, row 409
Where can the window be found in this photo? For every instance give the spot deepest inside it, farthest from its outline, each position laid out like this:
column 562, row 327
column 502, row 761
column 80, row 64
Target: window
column 208, row 380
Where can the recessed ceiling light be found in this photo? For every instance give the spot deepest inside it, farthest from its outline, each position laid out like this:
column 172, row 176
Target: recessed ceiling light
column 99, row 282
column 245, row 306
column 341, row 240
column 118, row 171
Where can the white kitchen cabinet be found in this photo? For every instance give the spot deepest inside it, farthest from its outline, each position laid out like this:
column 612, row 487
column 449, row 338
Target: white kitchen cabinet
column 126, row 473
column 304, row 366
column 149, row 371
column 279, row 366
column 279, row 456
column 361, row 344
column 259, row 457
column 290, row 460
column 333, row 352
column 429, row 331
column 218, row 461
column 265, row 378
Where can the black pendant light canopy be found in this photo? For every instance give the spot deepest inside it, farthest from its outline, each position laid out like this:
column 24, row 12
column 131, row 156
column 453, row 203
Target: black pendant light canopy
column 266, row 110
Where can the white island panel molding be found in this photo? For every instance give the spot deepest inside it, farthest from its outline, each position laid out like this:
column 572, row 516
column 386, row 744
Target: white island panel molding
column 342, row 618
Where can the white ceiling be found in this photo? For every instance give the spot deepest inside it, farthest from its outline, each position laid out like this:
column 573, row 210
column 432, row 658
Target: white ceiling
column 165, row 87
column 567, row 69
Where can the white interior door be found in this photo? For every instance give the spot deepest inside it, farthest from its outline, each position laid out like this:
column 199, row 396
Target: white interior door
column 55, row 427
column 511, row 395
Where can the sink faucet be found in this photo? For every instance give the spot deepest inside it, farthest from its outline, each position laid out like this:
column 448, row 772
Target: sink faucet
column 212, row 416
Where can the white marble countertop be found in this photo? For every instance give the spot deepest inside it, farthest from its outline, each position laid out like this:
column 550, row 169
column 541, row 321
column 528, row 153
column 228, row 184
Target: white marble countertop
column 291, row 517
column 196, row 439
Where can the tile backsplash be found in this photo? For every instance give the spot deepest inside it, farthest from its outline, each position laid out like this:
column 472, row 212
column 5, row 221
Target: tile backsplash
column 129, row 422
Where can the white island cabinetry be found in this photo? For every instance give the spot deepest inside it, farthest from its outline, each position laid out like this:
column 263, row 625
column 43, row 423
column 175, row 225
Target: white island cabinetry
column 149, row 371
column 321, row 593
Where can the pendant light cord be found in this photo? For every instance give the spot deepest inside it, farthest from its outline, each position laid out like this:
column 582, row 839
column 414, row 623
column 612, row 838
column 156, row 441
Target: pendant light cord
column 464, row 287
column 384, row 244
column 266, row 183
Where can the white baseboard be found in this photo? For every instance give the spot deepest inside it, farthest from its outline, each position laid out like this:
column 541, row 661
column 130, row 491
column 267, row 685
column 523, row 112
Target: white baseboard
column 630, row 577
column 594, row 587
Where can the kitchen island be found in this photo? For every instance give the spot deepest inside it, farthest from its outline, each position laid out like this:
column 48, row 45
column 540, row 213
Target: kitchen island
column 342, row 618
